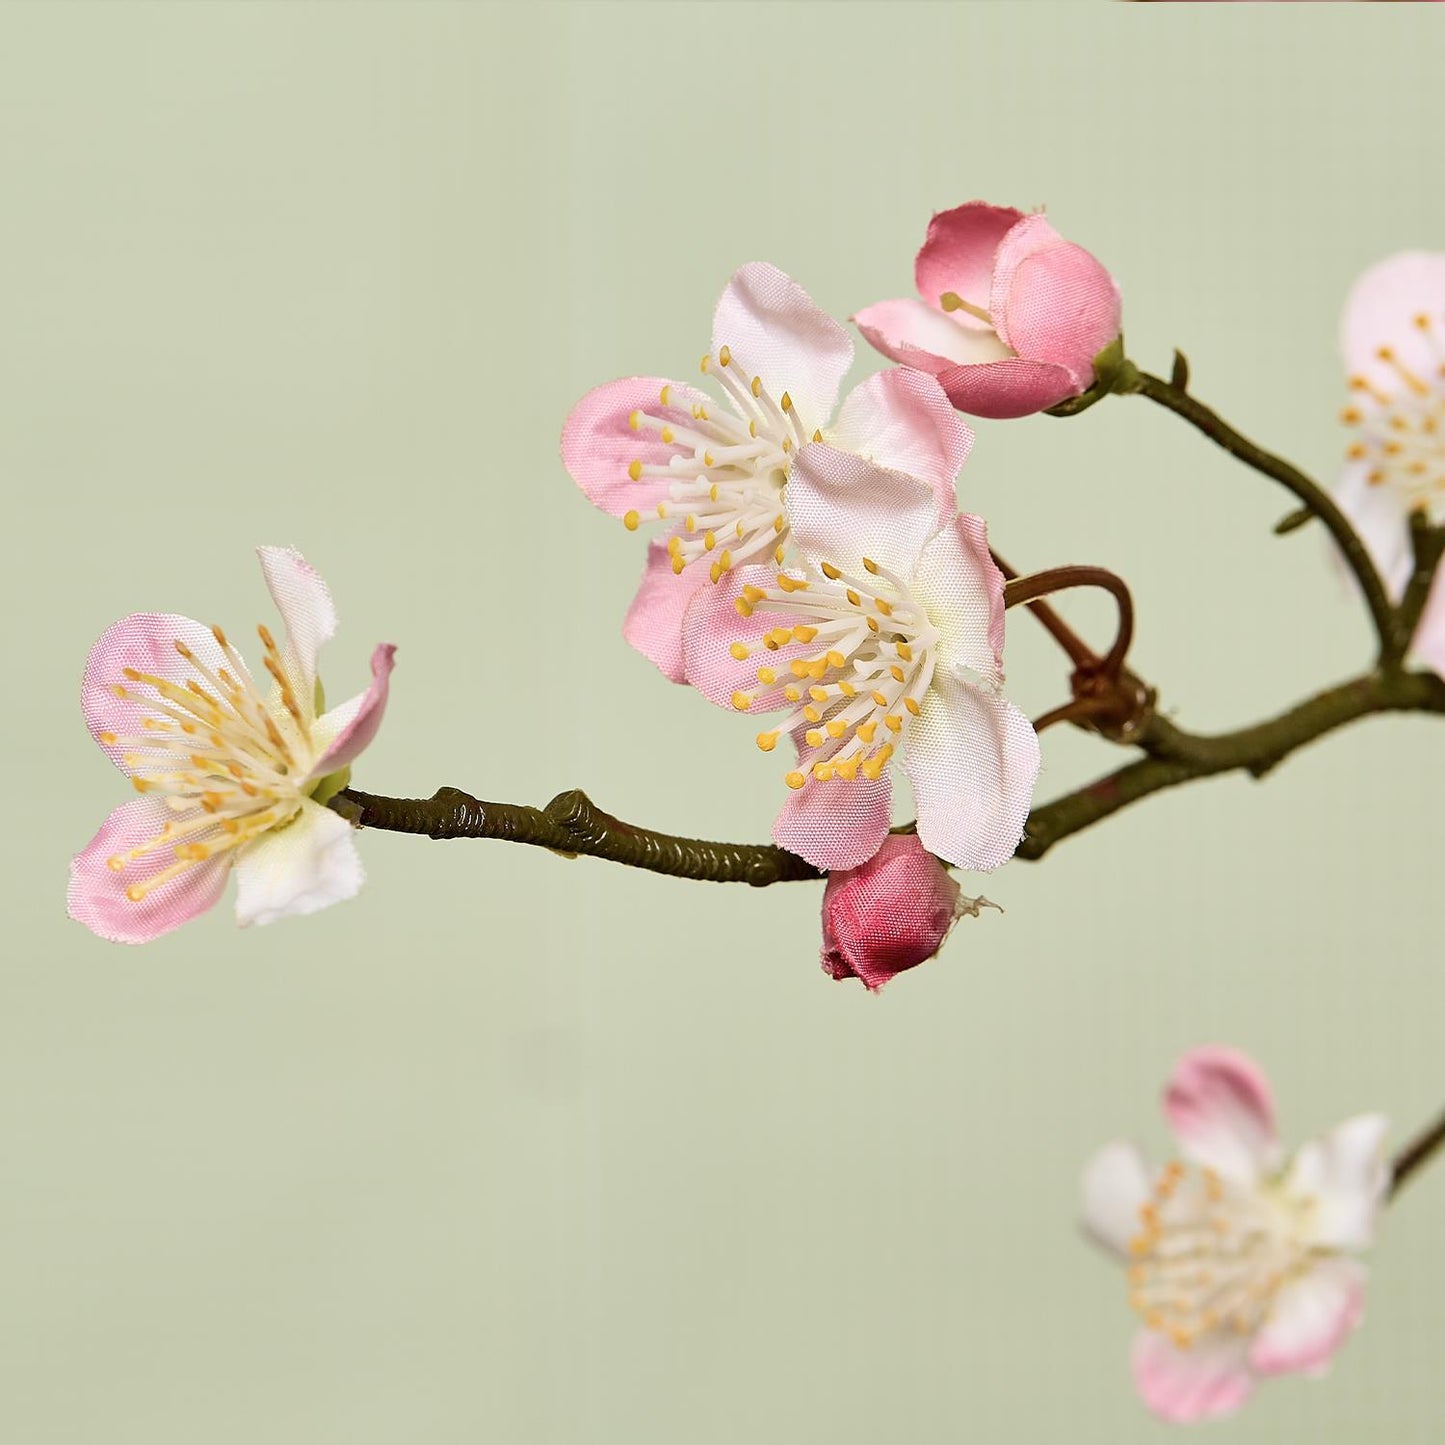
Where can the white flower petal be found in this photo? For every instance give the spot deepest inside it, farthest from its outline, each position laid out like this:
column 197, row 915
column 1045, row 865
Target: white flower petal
column 1379, row 515
column 1311, row 1317
column 1381, row 311
column 1117, row 1180
column 1345, row 1175
column 305, row 605
column 305, row 866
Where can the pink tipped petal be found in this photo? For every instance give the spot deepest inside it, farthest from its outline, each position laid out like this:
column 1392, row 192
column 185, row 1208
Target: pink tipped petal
column 775, row 331
column 1219, row 1104
column 917, row 335
column 599, row 443
column 1428, row 644
column 1117, row 1180
column 902, row 419
column 304, row 602
column 654, row 621
column 352, row 725
column 837, row 823
column 1345, row 1176
column 844, row 508
column 1208, row 1380
column 962, row 589
column 958, row 253
column 1054, row 301
column 713, row 626
column 972, row 758
column 305, row 866
column 97, row 894
column 144, row 642
column 1011, row 388
column 1381, row 311
column 1379, row 516
column 1311, row 1318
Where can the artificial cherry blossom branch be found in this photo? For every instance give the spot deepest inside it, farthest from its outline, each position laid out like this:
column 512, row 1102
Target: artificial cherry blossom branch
column 1418, row 1152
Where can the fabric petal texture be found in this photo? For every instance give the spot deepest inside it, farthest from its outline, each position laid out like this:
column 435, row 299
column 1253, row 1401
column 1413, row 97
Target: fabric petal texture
column 1007, row 389
column 97, row 893
column 958, row 252
column 299, row 869
column 963, row 590
column 1311, row 1318
column 834, row 824
column 919, row 335
column 348, row 729
column 1209, row 1380
column 713, row 629
column 1117, row 1181
column 304, row 602
column 778, row 333
column 1220, row 1106
column 902, row 419
column 654, row 621
column 972, row 758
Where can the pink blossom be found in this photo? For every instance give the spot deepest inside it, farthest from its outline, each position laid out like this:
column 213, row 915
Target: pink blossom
column 891, row 913
column 1011, row 316
column 713, row 472
column 887, row 635
column 1392, row 337
column 227, row 776
column 1239, row 1261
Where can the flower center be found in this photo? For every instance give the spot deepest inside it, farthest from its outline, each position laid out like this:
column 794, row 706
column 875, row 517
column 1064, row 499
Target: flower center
column 875, row 660
column 1211, row 1255
column 1402, row 434
column 727, row 472
column 229, row 764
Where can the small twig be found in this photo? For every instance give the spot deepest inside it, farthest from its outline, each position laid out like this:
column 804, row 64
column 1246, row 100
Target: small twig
column 1078, row 651
column 1415, row 1154
column 1059, row 579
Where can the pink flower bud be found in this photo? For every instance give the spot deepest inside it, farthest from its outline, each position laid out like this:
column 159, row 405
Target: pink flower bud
column 889, row 914
column 1010, row 315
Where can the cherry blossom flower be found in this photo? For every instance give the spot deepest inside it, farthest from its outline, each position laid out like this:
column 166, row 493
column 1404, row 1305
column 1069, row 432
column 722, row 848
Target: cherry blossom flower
column 1239, row 1262
column 227, row 776
column 888, row 635
column 1011, row 315
column 645, row 448
column 1392, row 337
column 890, row 914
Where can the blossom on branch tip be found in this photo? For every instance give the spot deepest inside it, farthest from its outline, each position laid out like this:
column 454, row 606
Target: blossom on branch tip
column 712, row 472
column 228, row 775
column 887, row 636
column 1239, row 1261
column 1392, row 339
column 1011, row 315
column 891, row 913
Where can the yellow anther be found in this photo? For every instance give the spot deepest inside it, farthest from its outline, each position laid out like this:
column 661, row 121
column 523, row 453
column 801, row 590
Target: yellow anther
column 803, row 633
column 795, row 780
column 634, row 470
column 879, row 698
column 631, row 520
column 752, row 429
column 1422, row 321
column 836, row 658
column 704, row 364
column 872, row 623
column 689, row 523
column 893, row 723
column 911, row 703
column 725, row 356
column 757, row 386
column 715, row 571
column 677, row 565
column 786, row 402
column 873, row 767
column 814, row 738
column 823, row 772
column 115, row 863
column 753, row 594
column 847, row 688
column 870, row 565
column 108, row 740
column 779, row 523
column 709, row 541
column 767, row 676
column 791, row 584
column 818, row 668
column 708, row 460
column 787, row 445
column 665, row 396
column 817, row 437
column 634, row 420
column 830, row 571
column 674, row 546
column 767, row 741
column 812, row 713
column 741, row 605
column 662, row 509
column 798, row 667
column 793, row 693
column 848, row 768
column 140, row 785
column 780, row 635
column 1385, row 353
column 712, row 492
column 740, row 651
column 739, row 530
column 778, row 554
column 136, row 892
column 742, row 701
column 904, row 651
column 853, row 598
column 884, row 606
column 665, row 434
column 725, row 561
column 895, row 672
column 818, row 694
column 219, row 636
column 837, row 728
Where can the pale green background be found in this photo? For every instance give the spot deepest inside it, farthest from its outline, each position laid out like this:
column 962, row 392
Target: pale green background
column 512, row 1149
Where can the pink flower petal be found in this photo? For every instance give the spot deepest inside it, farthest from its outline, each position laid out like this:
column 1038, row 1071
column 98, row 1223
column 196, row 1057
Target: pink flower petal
column 97, row 894
column 352, row 725
column 305, row 866
column 972, row 758
column 599, row 443
column 958, row 582
column 1342, row 1179
column 1219, row 1104
column 844, row 508
column 1117, row 1180
column 144, row 642
column 901, row 419
column 1052, row 300
column 1010, row 388
column 918, row 335
column 958, row 253
column 1381, row 311
column 837, row 823
column 654, row 622
column 1428, row 644
column 775, row 331
column 1311, row 1317
column 1208, row 1380
column 712, row 627
column 305, row 605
